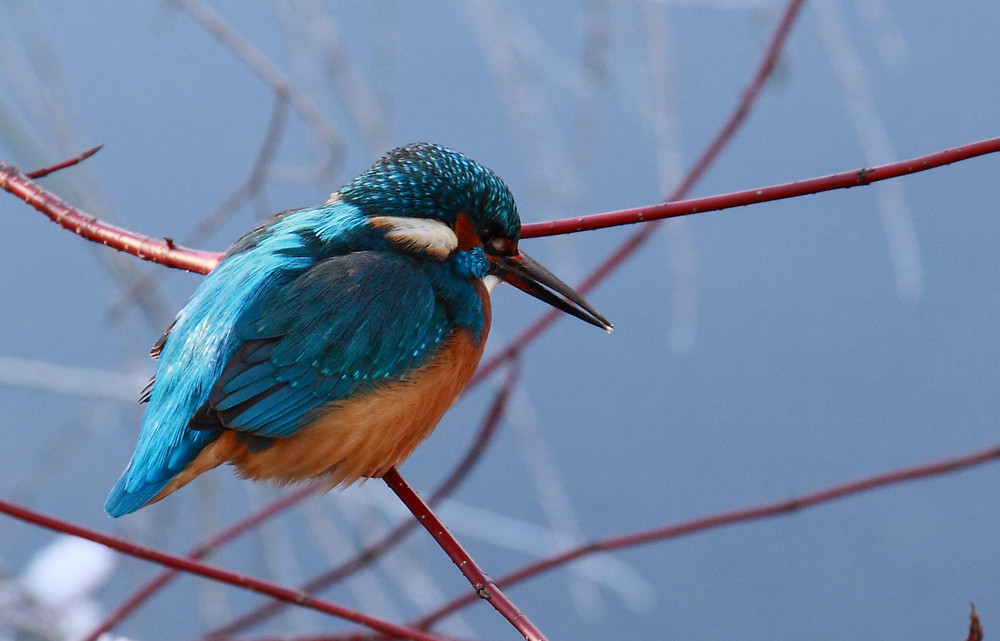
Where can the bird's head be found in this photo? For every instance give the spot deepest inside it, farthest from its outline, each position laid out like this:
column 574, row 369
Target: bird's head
column 437, row 202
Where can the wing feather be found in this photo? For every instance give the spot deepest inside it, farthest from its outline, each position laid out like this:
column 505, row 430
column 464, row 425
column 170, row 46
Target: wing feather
column 344, row 326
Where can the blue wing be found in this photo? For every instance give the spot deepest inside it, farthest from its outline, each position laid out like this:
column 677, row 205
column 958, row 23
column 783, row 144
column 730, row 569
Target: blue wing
column 347, row 324
column 272, row 334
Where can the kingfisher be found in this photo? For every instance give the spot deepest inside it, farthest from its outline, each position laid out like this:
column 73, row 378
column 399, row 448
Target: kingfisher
column 329, row 341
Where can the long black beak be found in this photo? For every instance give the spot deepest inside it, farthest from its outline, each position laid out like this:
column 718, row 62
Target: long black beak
column 521, row 271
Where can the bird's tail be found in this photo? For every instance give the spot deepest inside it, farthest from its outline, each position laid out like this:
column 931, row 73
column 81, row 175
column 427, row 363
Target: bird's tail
column 141, row 483
column 122, row 500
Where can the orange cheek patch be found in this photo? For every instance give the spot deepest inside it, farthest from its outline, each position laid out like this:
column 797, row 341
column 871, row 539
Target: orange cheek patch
column 467, row 236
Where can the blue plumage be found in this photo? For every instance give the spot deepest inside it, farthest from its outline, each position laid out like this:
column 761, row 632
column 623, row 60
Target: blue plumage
column 321, row 306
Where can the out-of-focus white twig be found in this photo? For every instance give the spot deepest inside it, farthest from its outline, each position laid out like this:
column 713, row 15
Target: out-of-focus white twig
column 856, row 88
column 553, row 496
column 53, row 597
column 73, row 381
column 519, row 535
column 889, row 40
column 666, row 128
column 269, row 73
column 349, row 85
column 336, row 545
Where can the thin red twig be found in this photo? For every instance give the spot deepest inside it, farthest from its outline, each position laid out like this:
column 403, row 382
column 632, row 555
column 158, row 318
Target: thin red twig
column 154, row 585
column 724, row 519
column 842, row 180
column 41, row 173
column 68, row 217
column 369, row 554
column 483, row 586
column 192, row 566
column 975, row 628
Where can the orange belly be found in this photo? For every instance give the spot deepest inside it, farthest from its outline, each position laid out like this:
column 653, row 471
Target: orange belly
column 355, row 438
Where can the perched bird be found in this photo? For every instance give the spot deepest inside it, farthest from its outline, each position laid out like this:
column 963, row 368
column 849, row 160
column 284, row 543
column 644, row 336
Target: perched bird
column 329, row 341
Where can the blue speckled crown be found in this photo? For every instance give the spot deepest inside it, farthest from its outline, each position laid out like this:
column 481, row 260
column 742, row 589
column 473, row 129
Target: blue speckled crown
column 424, row 180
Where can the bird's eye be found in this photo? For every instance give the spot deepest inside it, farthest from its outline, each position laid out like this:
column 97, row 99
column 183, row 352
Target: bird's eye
column 494, row 241
column 499, row 246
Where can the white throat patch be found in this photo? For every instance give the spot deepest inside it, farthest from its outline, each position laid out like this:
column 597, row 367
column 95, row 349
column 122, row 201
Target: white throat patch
column 490, row 281
column 432, row 237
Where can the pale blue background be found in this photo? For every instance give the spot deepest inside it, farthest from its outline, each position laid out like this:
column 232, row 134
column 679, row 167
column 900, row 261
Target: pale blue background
column 808, row 365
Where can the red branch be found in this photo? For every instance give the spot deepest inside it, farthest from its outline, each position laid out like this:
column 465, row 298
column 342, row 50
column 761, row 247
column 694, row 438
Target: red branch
column 68, row 217
column 245, row 581
column 45, row 171
column 724, row 519
column 483, row 586
column 975, row 628
column 155, row 584
column 843, row 180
